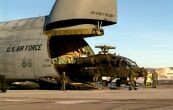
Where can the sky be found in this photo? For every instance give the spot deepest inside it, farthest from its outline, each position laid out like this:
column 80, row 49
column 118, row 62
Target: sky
column 143, row 33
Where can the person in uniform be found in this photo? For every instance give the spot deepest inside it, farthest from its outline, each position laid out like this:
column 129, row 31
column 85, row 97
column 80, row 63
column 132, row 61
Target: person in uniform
column 3, row 85
column 1, row 78
column 148, row 80
column 155, row 79
column 132, row 80
column 63, row 81
column 118, row 83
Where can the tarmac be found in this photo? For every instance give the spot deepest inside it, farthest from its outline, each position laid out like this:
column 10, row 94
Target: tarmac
column 160, row 98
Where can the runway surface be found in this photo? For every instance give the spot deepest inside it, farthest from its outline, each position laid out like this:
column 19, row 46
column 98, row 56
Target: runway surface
column 142, row 99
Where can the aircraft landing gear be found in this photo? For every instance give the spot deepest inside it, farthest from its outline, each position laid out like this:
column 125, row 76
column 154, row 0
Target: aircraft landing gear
column 105, row 83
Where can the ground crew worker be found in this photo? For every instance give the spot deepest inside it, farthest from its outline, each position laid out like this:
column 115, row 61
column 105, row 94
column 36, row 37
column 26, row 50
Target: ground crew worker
column 132, row 80
column 63, row 81
column 155, row 79
column 1, row 77
column 148, row 80
column 118, row 83
column 3, row 86
column 145, row 80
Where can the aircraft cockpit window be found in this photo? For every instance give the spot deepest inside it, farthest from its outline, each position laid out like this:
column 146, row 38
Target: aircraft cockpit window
column 132, row 63
column 129, row 63
column 127, row 67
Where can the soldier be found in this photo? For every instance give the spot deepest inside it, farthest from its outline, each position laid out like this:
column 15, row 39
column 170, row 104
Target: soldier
column 3, row 86
column 145, row 80
column 132, row 80
column 63, row 81
column 148, row 80
column 118, row 83
column 155, row 79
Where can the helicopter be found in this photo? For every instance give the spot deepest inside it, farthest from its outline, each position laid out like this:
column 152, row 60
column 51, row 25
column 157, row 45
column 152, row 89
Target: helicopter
column 91, row 68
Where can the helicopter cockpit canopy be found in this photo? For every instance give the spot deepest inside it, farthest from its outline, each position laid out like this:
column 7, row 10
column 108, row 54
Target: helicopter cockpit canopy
column 128, row 63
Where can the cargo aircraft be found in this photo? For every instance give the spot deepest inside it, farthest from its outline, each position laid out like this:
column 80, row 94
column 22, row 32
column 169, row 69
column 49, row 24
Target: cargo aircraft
column 36, row 49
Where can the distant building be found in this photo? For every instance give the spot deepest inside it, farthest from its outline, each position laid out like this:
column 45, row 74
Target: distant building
column 150, row 70
column 165, row 73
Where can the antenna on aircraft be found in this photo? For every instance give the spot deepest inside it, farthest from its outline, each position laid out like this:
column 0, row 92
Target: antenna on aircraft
column 99, row 24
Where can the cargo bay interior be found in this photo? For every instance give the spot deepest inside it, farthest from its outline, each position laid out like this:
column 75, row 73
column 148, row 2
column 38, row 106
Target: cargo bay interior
column 63, row 50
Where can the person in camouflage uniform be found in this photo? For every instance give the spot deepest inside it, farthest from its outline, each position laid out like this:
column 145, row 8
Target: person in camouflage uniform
column 63, row 81
column 3, row 85
column 155, row 79
column 132, row 80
